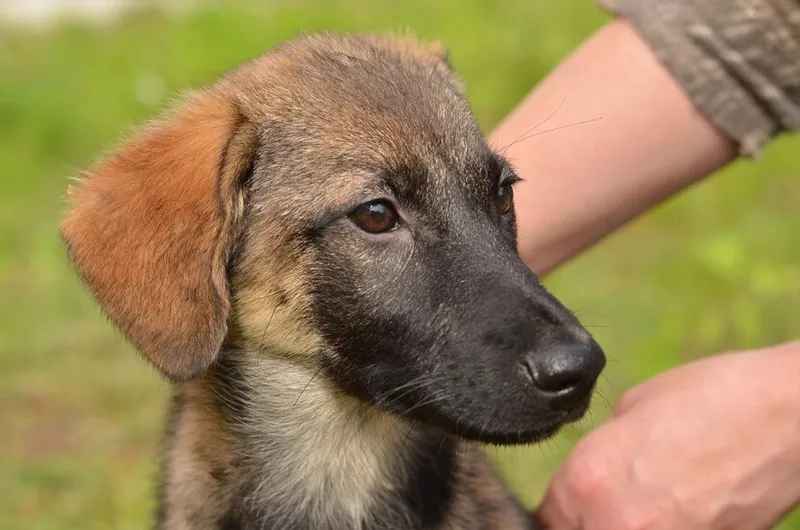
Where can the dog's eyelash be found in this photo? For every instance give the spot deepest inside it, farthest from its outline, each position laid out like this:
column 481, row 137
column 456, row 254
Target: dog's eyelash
column 500, row 171
column 510, row 180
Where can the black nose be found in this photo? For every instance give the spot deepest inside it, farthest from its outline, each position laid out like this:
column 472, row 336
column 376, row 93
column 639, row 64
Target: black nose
column 565, row 371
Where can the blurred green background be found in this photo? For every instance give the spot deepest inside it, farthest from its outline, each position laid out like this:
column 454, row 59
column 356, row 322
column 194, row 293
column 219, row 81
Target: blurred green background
column 81, row 415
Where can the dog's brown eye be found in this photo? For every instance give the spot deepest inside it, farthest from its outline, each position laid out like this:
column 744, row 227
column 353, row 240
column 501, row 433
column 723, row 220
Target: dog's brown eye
column 504, row 199
column 375, row 217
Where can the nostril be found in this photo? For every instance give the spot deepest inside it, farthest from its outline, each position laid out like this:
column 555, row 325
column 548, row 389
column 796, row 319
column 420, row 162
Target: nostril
column 565, row 384
column 528, row 370
column 564, row 369
column 549, row 382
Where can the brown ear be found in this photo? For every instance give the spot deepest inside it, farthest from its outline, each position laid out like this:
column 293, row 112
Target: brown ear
column 151, row 228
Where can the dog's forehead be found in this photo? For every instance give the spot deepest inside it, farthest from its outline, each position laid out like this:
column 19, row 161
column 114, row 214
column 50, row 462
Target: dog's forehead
column 363, row 101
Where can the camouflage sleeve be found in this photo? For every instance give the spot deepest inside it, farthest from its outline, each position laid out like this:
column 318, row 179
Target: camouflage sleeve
column 739, row 60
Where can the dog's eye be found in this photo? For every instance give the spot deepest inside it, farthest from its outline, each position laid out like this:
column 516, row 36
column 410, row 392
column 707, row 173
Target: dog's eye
column 504, row 199
column 375, row 217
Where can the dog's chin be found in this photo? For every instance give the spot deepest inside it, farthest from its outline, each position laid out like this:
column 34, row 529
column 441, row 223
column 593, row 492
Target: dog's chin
column 506, row 431
column 523, row 435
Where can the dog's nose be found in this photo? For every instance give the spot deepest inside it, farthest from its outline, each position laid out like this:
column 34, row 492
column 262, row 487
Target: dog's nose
column 565, row 371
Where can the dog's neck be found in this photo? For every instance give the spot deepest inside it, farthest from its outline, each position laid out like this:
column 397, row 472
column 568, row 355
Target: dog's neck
column 297, row 453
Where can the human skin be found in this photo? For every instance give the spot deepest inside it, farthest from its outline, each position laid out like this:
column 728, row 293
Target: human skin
column 711, row 445
column 583, row 181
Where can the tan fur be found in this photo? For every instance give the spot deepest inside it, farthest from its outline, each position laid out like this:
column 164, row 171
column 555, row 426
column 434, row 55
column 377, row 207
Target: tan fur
column 347, row 435
column 206, row 457
column 270, row 308
column 152, row 230
column 313, row 466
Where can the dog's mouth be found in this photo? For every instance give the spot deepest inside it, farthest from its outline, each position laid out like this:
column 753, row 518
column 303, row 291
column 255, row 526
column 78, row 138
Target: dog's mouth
column 547, row 429
column 496, row 428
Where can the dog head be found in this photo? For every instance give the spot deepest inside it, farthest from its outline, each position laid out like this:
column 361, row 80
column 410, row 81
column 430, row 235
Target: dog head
column 335, row 202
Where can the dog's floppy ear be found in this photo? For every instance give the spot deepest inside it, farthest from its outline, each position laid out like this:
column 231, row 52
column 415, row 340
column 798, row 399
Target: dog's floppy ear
column 151, row 228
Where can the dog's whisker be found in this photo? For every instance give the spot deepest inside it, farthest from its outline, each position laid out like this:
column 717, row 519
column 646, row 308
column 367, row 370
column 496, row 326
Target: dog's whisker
column 489, row 418
column 411, row 428
column 544, row 455
column 425, row 403
column 264, row 333
column 445, row 438
column 605, row 401
column 408, row 259
column 411, row 384
column 560, row 127
column 408, row 388
column 307, row 384
column 549, row 446
column 547, row 118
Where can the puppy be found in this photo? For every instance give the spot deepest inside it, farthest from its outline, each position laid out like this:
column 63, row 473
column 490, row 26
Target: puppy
column 319, row 251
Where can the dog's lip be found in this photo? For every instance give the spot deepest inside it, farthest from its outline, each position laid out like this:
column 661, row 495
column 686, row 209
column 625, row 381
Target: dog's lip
column 552, row 427
column 556, row 425
column 515, row 437
column 547, row 427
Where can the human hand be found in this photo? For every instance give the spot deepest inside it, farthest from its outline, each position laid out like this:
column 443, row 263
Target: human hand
column 711, row 445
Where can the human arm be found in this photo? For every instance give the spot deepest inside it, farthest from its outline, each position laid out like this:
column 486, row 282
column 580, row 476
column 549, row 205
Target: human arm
column 676, row 103
column 582, row 182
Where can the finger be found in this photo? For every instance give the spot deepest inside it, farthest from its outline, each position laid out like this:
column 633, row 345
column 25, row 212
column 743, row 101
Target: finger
column 554, row 515
column 627, row 401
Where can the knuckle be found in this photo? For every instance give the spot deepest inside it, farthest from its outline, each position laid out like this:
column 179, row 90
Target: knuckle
column 587, row 477
column 626, row 402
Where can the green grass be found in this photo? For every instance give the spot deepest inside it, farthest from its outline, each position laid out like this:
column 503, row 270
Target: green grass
column 81, row 414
